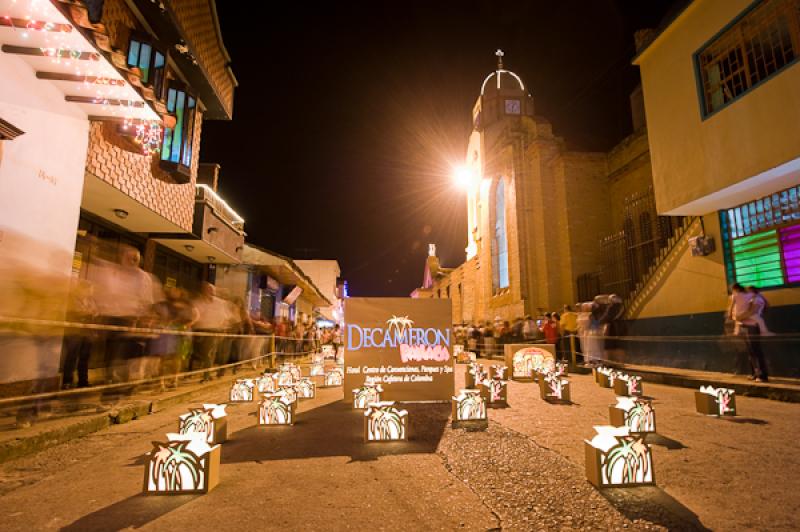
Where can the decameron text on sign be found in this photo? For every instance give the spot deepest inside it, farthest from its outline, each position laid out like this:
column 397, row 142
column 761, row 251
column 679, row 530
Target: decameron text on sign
column 402, row 343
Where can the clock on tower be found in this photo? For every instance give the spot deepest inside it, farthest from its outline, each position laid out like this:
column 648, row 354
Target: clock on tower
column 512, row 107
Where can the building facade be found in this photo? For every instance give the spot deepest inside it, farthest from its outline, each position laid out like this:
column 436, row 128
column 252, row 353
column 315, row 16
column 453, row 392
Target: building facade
column 272, row 286
column 538, row 212
column 101, row 111
column 704, row 193
column 720, row 90
column 326, row 275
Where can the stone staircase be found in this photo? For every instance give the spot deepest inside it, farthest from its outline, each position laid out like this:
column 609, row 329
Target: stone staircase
column 667, row 256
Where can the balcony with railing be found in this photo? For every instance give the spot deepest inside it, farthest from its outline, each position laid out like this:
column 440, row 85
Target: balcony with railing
column 216, row 223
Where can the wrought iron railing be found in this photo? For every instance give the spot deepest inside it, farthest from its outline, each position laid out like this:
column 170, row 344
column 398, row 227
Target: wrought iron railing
column 628, row 255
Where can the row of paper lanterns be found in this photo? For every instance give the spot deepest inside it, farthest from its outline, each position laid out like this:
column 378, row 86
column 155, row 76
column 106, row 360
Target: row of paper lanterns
column 618, row 455
column 188, row 462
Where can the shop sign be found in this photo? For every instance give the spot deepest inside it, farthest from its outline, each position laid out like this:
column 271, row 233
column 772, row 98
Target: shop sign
column 404, row 344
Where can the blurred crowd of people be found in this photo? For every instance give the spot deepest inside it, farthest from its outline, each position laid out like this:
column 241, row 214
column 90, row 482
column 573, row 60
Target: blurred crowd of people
column 581, row 330
column 122, row 295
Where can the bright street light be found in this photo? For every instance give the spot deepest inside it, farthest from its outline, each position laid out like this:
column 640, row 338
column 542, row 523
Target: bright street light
column 464, row 176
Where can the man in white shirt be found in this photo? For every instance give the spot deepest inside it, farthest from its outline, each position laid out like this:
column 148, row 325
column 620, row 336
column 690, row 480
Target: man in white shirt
column 124, row 295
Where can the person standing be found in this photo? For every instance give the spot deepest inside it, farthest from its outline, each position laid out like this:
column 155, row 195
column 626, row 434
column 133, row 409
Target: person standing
column 569, row 331
column 746, row 309
column 281, row 334
column 211, row 320
column 78, row 342
column 550, row 329
column 176, row 313
column 299, row 336
column 529, row 329
column 125, row 295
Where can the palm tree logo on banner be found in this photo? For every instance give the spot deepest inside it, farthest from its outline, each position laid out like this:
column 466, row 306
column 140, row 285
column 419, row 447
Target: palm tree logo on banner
column 398, row 324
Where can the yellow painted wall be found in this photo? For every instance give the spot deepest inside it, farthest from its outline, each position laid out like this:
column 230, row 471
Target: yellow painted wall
column 692, row 157
column 693, row 285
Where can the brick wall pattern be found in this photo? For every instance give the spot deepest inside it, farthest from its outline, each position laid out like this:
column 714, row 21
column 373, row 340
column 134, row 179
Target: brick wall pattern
column 197, row 19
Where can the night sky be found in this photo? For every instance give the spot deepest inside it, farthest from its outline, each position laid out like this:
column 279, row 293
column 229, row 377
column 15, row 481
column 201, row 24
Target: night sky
column 348, row 116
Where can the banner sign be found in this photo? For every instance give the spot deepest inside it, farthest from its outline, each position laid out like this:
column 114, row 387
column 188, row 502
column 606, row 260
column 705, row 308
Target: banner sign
column 403, row 344
column 293, row 295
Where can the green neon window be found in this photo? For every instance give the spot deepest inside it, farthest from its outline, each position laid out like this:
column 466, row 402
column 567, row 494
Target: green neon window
column 757, row 260
column 151, row 62
column 176, row 148
column 761, row 244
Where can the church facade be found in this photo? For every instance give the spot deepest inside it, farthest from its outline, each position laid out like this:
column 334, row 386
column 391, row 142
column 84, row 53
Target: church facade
column 537, row 210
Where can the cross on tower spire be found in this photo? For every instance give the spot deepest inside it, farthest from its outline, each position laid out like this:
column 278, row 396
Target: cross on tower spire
column 499, row 53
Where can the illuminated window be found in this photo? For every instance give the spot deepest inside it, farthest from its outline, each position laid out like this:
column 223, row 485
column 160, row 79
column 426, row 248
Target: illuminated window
column 762, row 240
column 500, row 242
column 176, row 149
column 150, row 61
column 759, row 43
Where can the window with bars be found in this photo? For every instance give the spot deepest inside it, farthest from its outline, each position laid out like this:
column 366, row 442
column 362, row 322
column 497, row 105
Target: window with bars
column 759, row 43
column 762, row 240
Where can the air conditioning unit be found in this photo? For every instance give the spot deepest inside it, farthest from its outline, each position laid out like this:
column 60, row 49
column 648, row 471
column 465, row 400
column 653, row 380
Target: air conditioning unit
column 701, row 245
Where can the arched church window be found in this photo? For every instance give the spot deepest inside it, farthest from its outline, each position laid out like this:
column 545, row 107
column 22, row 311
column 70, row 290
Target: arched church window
column 500, row 240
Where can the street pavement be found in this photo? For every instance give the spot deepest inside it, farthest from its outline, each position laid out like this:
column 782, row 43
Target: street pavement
column 524, row 472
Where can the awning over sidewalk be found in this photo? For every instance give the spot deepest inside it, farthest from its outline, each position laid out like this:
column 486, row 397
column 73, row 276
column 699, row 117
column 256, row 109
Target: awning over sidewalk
column 285, row 271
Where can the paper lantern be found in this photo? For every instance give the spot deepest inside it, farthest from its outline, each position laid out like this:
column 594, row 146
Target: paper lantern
column 458, row 350
column 501, row 372
column 474, row 374
column 276, row 409
column 615, row 457
column 317, row 358
column 316, row 370
column 287, row 374
column 463, row 357
column 328, row 351
column 546, row 365
column 185, row 464
column 266, row 383
column 625, row 384
column 553, row 388
column 368, row 393
column 635, row 413
column 384, row 422
column 469, row 410
column 243, row 391
column 289, row 391
column 334, row 377
column 715, row 401
column 306, row 389
column 525, row 361
column 604, row 376
column 494, row 392
column 561, row 369
column 210, row 420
